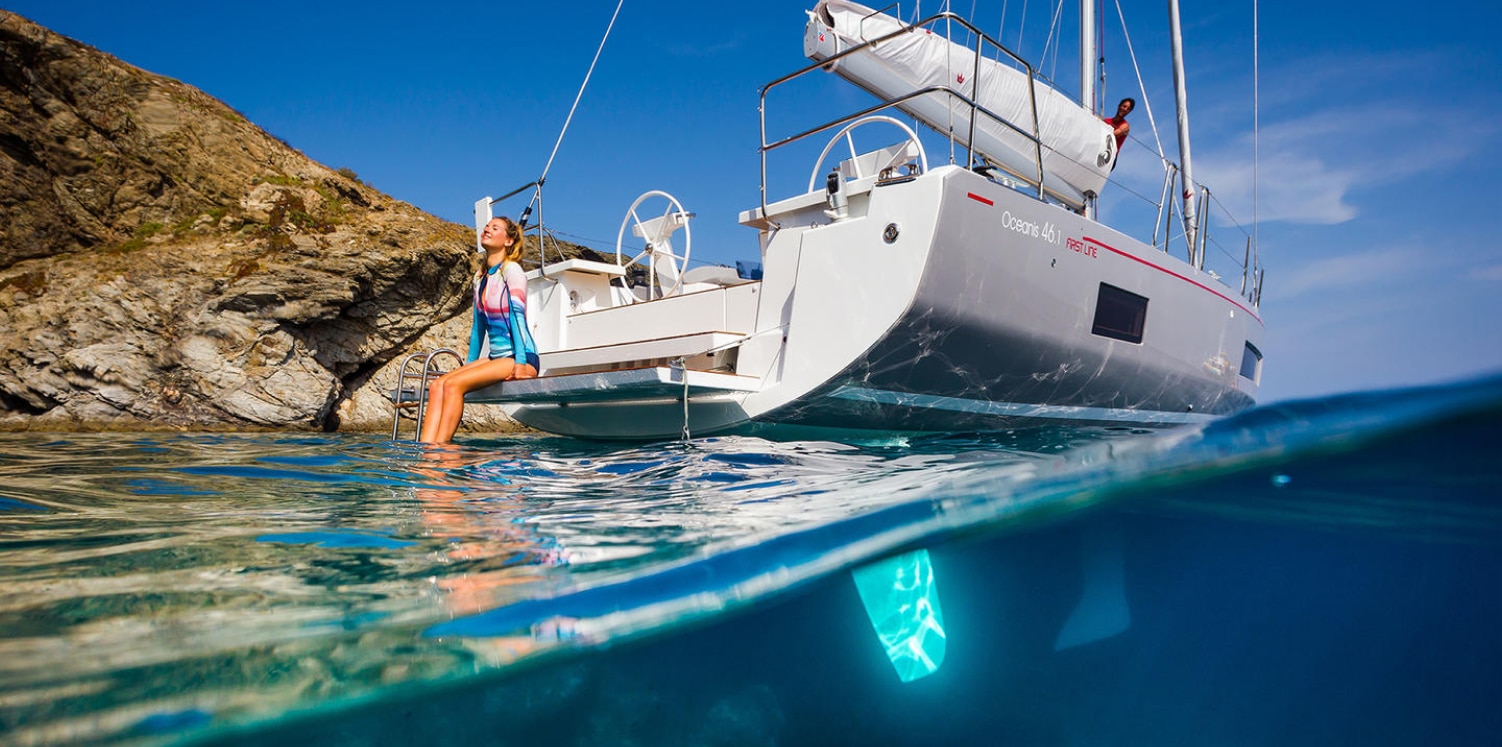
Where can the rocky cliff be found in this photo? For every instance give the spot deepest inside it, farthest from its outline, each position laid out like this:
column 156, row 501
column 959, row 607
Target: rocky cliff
column 166, row 263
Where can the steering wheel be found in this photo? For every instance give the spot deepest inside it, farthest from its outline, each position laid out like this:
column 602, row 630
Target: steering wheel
column 664, row 265
column 912, row 138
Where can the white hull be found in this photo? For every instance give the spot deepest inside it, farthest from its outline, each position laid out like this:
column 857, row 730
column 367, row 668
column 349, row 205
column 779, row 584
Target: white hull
column 978, row 315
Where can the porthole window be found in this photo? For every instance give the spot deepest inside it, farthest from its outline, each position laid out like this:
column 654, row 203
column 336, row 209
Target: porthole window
column 1120, row 314
column 1251, row 362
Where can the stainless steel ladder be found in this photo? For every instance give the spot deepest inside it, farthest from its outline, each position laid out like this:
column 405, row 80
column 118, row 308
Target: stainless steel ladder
column 404, row 398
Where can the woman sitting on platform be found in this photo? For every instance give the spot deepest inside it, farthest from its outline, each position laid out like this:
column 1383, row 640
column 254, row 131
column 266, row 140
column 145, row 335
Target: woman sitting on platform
column 500, row 315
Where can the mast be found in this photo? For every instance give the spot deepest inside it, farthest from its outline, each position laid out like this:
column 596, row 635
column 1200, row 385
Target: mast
column 1087, row 75
column 1191, row 221
column 1087, row 55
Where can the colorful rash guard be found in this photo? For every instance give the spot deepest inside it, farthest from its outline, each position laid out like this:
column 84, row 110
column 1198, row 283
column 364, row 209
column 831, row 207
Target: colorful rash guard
column 502, row 316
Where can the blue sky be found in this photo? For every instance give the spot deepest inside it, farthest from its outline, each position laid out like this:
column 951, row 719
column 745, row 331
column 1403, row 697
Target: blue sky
column 1380, row 127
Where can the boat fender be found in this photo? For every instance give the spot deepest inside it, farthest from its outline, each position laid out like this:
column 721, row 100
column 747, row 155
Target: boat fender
column 1108, row 155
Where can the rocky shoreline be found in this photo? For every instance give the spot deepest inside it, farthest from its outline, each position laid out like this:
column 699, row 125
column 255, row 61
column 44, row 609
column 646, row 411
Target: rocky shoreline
column 167, row 265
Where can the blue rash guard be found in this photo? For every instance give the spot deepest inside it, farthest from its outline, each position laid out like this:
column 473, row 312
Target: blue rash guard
column 501, row 315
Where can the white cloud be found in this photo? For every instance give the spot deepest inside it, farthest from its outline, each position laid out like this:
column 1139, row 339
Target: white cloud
column 1364, row 269
column 1398, row 268
column 1293, row 188
column 1331, row 126
column 1309, row 166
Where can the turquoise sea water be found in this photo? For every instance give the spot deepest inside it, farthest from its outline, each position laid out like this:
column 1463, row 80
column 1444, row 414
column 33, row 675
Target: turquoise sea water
column 1320, row 572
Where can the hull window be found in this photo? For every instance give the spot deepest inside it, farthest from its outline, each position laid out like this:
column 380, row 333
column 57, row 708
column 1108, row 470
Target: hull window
column 1251, row 362
column 1119, row 314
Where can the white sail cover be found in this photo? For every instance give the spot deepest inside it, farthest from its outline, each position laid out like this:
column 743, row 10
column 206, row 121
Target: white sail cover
column 1078, row 147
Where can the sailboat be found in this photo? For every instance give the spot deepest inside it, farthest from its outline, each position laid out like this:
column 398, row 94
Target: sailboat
column 895, row 294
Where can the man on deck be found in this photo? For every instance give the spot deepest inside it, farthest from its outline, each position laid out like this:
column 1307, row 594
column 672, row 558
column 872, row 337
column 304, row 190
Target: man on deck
column 1119, row 125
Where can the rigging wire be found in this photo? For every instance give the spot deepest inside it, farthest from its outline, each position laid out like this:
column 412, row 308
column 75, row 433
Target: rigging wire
column 1256, row 117
column 568, row 120
column 949, row 69
column 1053, row 41
column 1132, row 52
column 1100, row 59
column 1020, row 24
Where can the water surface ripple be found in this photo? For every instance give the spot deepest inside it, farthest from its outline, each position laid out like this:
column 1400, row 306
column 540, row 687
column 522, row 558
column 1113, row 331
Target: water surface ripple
column 154, row 585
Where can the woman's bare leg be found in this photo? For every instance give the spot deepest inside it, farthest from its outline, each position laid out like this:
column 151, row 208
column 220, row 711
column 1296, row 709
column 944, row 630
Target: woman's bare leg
column 437, row 398
column 446, row 395
column 441, row 397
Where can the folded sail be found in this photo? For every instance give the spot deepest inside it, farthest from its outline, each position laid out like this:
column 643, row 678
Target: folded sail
column 1078, row 148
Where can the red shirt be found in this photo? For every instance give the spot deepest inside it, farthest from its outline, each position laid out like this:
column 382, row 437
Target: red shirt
column 1115, row 128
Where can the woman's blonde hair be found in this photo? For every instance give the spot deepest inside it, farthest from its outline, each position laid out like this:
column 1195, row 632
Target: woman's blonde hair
column 513, row 232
